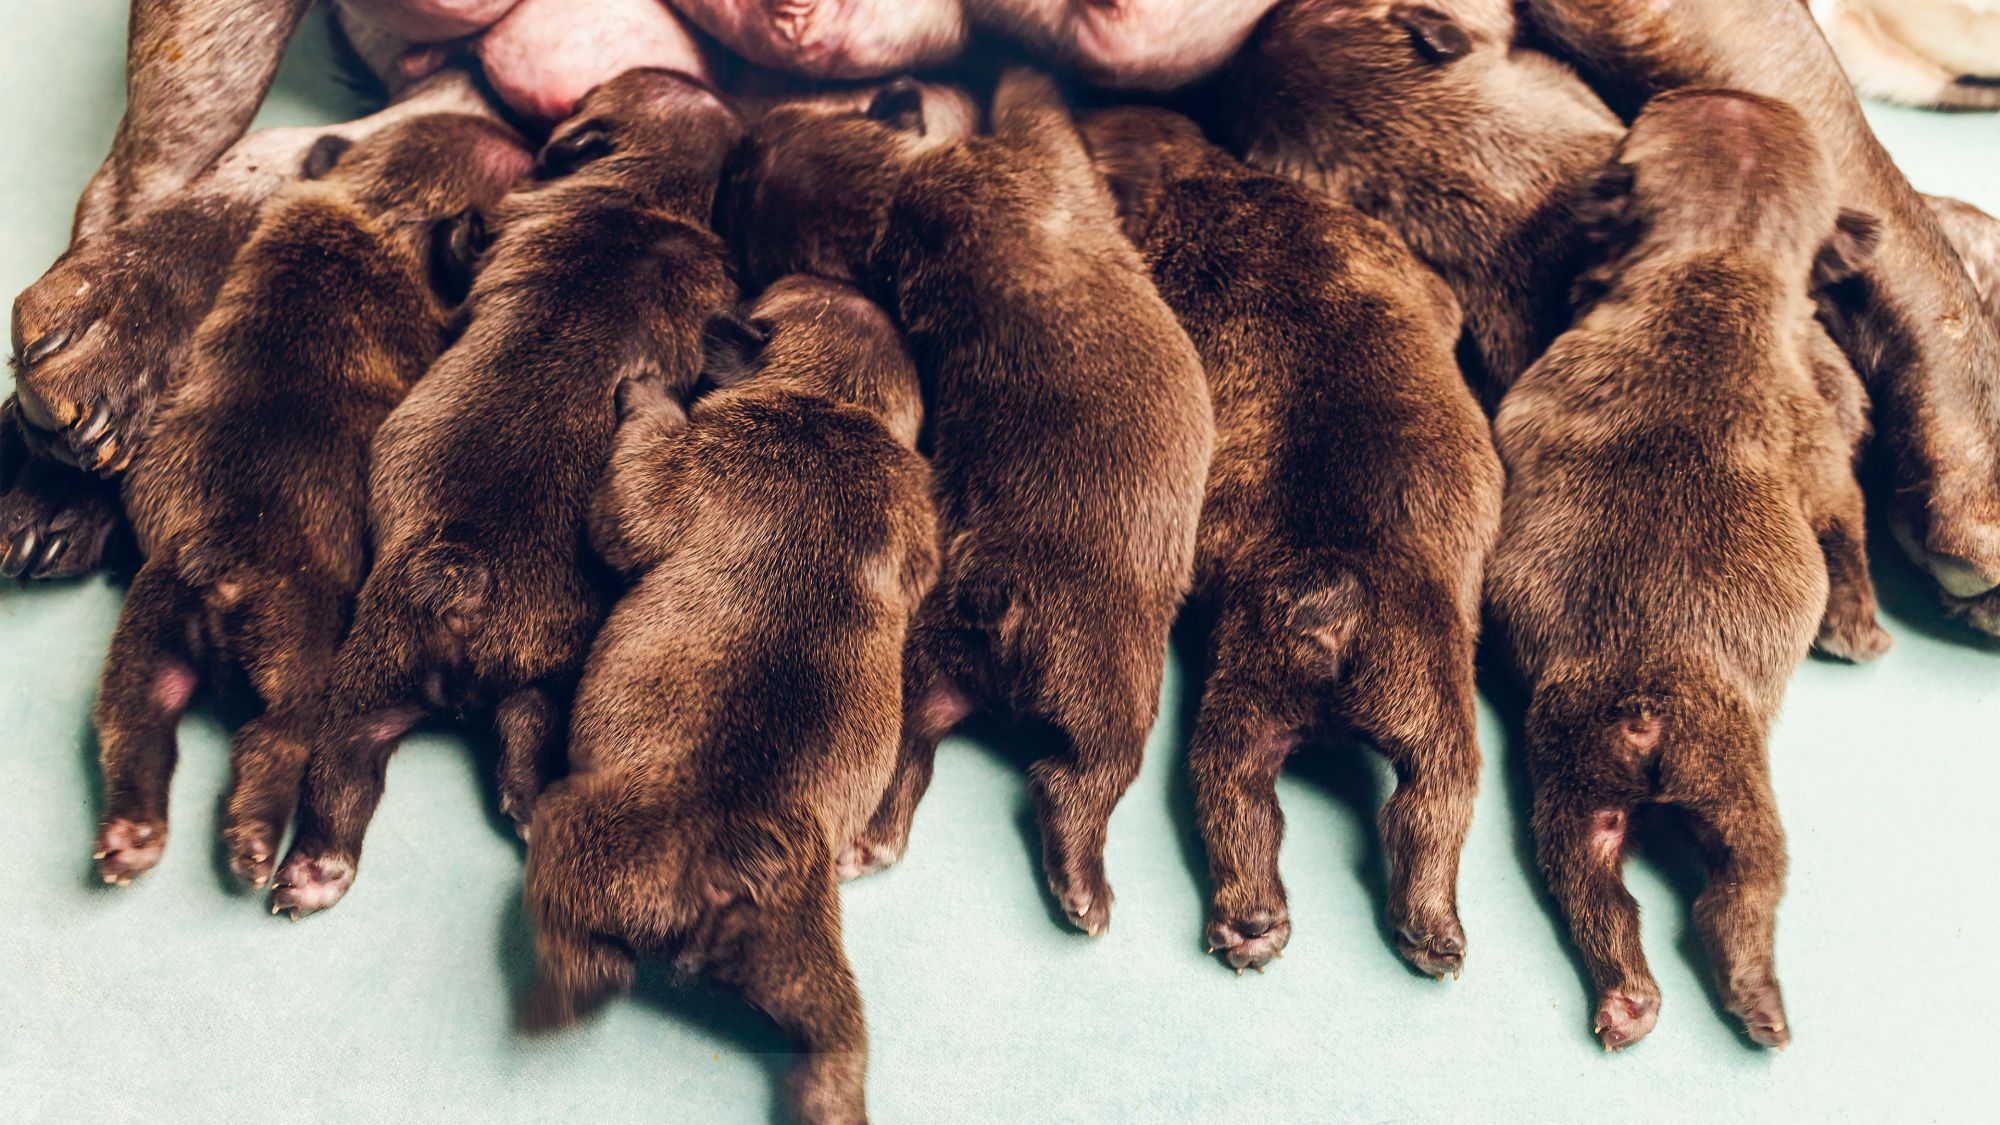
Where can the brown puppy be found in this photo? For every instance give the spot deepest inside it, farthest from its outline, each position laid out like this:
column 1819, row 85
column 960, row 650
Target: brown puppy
column 480, row 481
column 1351, row 505
column 1681, row 523
column 1427, row 117
column 105, row 332
column 250, row 501
column 1911, row 322
column 738, row 720
column 1072, row 432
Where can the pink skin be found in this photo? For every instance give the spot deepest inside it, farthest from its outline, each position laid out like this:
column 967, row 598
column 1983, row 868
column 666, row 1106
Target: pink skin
column 546, row 54
column 834, row 38
column 1138, row 44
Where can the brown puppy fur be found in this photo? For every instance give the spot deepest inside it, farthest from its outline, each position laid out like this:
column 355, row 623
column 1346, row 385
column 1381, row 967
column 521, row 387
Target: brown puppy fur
column 1975, row 235
column 111, row 325
column 1069, row 528
column 1351, row 505
column 1911, row 321
column 1427, row 117
column 250, row 502
column 480, row 481
column 738, row 721
column 1681, row 523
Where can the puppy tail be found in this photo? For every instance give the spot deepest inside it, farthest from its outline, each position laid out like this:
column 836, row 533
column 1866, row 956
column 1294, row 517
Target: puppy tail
column 1328, row 616
column 579, row 972
column 1027, row 99
column 450, row 580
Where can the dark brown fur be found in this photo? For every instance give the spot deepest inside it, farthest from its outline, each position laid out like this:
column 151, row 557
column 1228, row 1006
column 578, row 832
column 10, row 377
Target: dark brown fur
column 1681, row 523
column 1910, row 321
column 1072, row 433
column 480, row 481
column 1427, row 117
column 739, row 717
column 250, row 504
column 101, row 336
column 1351, row 505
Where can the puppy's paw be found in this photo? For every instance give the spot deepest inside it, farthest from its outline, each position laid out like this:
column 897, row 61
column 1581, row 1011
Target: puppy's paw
column 1762, row 1010
column 866, row 856
column 1437, row 949
column 1249, row 939
column 1086, row 904
column 1982, row 613
column 253, row 850
column 1625, row 1016
column 307, row 884
column 1855, row 641
column 128, row 848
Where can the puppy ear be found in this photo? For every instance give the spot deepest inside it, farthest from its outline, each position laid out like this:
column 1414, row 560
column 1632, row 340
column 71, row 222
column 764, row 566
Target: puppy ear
column 1436, row 34
column 323, row 155
column 732, row 350
column 1132, row 170
column 456, row 244
column 1603, row 209
column 900, row 106
column 1847, row 251
column 567, row 152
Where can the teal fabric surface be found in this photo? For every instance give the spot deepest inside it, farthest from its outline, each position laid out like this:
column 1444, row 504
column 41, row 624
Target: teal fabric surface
column 179, row 999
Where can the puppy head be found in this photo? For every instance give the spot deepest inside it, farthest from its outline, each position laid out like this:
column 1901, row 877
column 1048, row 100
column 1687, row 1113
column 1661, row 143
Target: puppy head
column 820, row 336
column 1371, row 65
column 432, row 180
column 1722, row 167
column 1139, row 150
column 808, row 190
column 661, row 133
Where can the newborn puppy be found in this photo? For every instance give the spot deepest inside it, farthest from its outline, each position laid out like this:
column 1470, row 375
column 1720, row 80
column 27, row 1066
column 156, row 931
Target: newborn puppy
column 1429, row 118
column 106, row 331
column 1681, row 522
column 737, row 722
column 1071, row 424
column 1351, row 505
column 479, row 482
column 1911, row 322
column 56, row 521
column 250, row 502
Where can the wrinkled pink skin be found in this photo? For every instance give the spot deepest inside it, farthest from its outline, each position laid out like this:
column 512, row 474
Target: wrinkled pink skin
column 541, row 56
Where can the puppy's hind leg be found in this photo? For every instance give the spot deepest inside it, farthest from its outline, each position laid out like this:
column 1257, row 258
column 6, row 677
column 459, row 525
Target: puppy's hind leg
column 1737, row 914
column 149, row 676
column 1100, row 687
column 287, row 641
column 371, row 703
column 932, row 706
column 1581, row 842
column 526, row 722
column 789, row 963
column 1411, row 690
column 1242, row 736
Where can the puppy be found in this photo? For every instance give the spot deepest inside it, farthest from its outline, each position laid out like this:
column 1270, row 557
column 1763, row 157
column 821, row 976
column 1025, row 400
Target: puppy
column 250, row 502
column 1352, row 502
column 1681, row 523
column 1428, row 117
column 480, row 481
column 1911, row 322
column 1071, row 424
column 101, row 336
column 1932, row 53
column 738, row 719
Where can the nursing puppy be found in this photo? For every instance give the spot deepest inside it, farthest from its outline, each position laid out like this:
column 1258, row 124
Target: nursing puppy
column 250, row 503
column 1072, row 432
column 1911, row 322
column 1428, row 118
column 739, row 717
column 101, row 336
column 1681, row 525
column 479, row 600
column 1352, row 502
